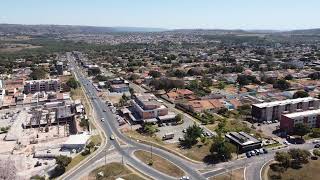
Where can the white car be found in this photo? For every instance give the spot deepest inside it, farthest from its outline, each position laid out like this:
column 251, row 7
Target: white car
column 286, row 143
column 102, row 119
column 316, row 141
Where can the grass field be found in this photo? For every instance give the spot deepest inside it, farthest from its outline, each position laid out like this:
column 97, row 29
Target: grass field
column 310, row 171
column 113, row 171
column 197, row 152
column 159, row 163
column 237, row 174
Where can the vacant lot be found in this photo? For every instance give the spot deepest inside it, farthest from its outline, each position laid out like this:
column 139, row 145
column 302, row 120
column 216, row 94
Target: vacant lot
column 113, row 171
column 310, row 171
column 159, row 163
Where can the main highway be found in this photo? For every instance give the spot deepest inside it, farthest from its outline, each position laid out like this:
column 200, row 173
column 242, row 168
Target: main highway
column 110, row 127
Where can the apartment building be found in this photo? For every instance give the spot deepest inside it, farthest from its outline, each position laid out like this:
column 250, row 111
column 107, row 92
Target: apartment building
column 119, row 85
column 310, row 118
column 148, row 107
column 45, row 85
column 273, row 110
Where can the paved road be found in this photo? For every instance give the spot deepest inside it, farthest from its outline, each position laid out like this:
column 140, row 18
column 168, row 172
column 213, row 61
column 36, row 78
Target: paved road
column 110, row 127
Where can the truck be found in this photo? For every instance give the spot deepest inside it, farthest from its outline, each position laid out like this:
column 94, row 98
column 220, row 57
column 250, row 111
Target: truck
column 167, row 136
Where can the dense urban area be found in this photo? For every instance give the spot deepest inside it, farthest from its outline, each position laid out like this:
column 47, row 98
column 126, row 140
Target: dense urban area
column 114, row 103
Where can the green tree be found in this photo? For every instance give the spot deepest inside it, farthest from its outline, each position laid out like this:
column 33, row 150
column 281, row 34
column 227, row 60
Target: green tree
column 288, row 77
column 301, row 129
column 315, row 132
column 178, row 117
column 283, row 158
column 299, row 155
column 281, row 84
column 191, row 136
column 38, row 73
column 72, row 83
column 149, row 128
column 62, row 162
column 300, row 94
column 84, row 123
column 154, row 74
column 222, row 149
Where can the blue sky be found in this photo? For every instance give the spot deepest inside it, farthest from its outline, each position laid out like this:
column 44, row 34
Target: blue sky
column 223, row 14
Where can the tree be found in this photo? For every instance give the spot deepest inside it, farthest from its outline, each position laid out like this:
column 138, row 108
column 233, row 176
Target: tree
column 281, row 84
column 154, row 74
column 62, row 162
column 149, row 128
column 167, row 84
column 300, row 94
column 301, row 129
column 90, row 145
column 221, row 149
column 288, row 77
column 315, row 132
column 178, row 117
column 38, row 73
column 191, row 136
column 315, row 75
column 299, row 155
column 72, row 83
column 283, row 158
column 84, row 123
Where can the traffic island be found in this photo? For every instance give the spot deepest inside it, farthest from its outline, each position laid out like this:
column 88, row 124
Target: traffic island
column 159, row 163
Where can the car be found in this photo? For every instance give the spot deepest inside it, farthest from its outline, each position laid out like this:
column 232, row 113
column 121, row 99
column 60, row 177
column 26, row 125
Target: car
column 261, row 151
column 104, row 110
column 317, row 146
column 253, row 153
column 316, row 141
column 102, row 119
column 184, row 178
column 257, row 151
column 208, row 134
column 181, row 139
column 265, row 150
column 248, row 154
column 112, row 137
column 286, row 143
column 184, row 130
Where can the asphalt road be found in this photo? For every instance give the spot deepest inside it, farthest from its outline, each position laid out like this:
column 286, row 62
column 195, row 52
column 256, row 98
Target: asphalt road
column 110, row 127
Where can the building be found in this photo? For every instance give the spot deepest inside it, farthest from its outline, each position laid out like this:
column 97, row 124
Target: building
column 119, row 88
column 198, row 106
column 2, row 90
column 243, row 141
column 149, row 109
column 310, row 118
column 273, row 110
column 77, row 141
column 119, row 85
column 59, row 67
column 45, row 85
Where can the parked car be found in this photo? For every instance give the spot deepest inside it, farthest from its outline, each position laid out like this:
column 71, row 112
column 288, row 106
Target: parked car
column 253, row 153
column 261, row 151
column 112, row 137
column 317, row 146
column 316, row 141
column 265, row 150
column 248, row 154
column 257, row 151
column 102, row 119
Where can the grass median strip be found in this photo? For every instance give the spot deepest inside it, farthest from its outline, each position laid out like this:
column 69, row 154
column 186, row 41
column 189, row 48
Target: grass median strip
column 237, row 174
column 113, row 171
column 159, row 163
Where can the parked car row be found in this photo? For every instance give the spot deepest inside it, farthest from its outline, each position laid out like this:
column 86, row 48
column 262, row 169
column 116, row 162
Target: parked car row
column 256, row 152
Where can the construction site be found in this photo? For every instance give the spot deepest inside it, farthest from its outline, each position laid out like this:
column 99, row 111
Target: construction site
column 31, row 137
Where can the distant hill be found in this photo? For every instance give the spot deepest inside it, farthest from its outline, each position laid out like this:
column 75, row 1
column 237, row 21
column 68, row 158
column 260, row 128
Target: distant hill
column 68, row 29
column 305, row 31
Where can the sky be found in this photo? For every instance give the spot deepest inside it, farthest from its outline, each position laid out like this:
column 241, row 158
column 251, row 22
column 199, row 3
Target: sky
column 172, row 14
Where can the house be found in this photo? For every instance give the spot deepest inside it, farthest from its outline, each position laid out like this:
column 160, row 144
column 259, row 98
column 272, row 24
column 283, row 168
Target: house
column 180, row 94
column 198, row 106
column 243, row 141
column 273, row 110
